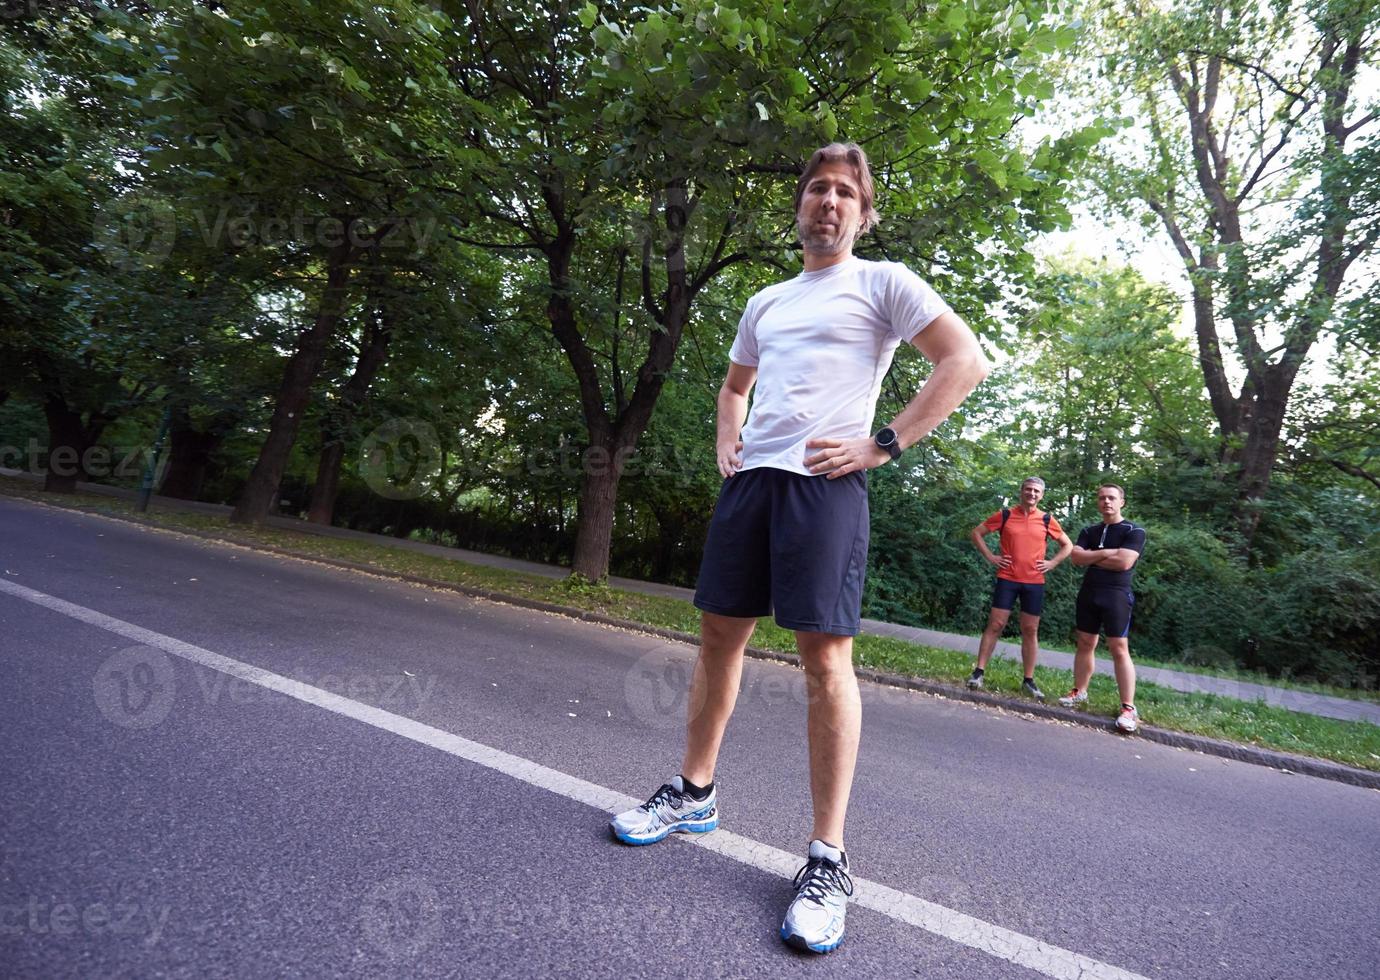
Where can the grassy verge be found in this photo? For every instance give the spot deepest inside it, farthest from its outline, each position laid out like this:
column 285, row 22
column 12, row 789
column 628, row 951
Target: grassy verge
column 1225, row 673
column 1251, row 723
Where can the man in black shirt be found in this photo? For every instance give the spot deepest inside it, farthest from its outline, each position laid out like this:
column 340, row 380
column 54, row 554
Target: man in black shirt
column 1109, row 551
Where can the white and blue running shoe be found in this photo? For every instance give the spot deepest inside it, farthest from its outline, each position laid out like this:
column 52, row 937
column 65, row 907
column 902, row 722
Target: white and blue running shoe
column 670, row 811
column 814, row 921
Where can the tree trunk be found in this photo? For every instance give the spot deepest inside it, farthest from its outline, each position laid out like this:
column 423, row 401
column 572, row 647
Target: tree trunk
column 295, row 392
column 69, row 439
column 326, row 488
column 613, row 443
column 189, row 455
column 373, row 351
column 603, row 467
column 188, row 459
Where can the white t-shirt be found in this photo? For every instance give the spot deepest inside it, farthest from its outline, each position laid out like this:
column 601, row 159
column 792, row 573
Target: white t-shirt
column 822, row 343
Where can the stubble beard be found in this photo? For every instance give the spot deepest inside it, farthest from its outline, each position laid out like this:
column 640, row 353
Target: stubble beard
column 821, row 244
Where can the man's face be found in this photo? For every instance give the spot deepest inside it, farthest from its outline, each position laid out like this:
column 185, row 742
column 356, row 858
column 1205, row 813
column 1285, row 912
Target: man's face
column 830, row 210
column 1031, row 493
column 1109, row 500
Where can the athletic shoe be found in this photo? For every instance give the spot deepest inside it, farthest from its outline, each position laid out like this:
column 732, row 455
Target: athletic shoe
column 814, row 921
column 975, row 681
column 1074, row 698
column 670, row 811
column 1029, row 688
column 1128, row 720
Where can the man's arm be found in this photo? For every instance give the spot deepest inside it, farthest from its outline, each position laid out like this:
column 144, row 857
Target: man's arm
column 1118, row 559
column 733, row 408
column 959, row 367
column 1112, row 559
column 979, row 536
column 1065, row 548
column 1086, row 556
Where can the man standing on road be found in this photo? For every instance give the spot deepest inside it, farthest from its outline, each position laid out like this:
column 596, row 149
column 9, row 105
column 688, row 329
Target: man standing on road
column 790, row 530
column 1109, row 550
column 1021, row 567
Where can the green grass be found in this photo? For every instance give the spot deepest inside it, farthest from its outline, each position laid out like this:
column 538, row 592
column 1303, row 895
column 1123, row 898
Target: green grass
column 1251, row 723
column 1226, row 673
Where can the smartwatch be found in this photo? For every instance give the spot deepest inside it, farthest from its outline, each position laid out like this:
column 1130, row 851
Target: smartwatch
column 886, row 439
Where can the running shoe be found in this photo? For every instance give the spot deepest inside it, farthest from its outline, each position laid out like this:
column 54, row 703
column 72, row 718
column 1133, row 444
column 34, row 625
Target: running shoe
column 1128, row 720
column 670, row 811
column 1029, row 688
column 975, row 681
column 814, row 922
column 1074, row 698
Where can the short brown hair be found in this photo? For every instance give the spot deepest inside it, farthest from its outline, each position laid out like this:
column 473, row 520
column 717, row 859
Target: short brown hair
column 853, row 155
column 1115, row 486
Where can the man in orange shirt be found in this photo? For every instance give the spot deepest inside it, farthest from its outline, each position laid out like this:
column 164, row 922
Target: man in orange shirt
column 1021, row 566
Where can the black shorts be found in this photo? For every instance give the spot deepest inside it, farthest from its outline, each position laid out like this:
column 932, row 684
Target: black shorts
column 785, row 541
column 1104, row 608
column 1031, row 594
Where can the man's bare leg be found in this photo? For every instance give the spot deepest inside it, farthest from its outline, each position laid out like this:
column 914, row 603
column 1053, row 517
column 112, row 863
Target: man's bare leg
column 713, row 692
column 1120, row 648
column 835, row 724
column 996, row 622
column 1030, row 642
column 1083, row 662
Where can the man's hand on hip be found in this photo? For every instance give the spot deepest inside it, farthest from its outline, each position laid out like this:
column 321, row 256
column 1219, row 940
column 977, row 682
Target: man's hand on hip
column 840, row 456
column 730, row 460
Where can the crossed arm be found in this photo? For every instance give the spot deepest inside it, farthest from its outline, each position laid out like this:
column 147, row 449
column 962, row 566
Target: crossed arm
column 1112, row 559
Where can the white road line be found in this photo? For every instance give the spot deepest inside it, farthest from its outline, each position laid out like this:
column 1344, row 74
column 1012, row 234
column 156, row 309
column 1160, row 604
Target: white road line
column 1052, row 961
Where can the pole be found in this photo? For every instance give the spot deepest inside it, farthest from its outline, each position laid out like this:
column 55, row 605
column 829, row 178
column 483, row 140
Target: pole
column 146, row 488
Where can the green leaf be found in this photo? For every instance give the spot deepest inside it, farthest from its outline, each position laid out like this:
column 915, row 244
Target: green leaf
column 588, row 15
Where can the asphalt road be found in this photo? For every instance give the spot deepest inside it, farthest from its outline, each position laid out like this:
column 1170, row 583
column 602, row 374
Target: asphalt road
column 1309, row 702
column 160, row 817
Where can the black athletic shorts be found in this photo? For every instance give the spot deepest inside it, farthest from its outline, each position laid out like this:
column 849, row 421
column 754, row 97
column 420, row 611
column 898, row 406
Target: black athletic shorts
column 791, row 543
column 1031, row 594
column 1105, row 607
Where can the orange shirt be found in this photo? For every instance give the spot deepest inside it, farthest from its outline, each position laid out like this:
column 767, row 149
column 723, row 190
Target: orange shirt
column 1023, row 539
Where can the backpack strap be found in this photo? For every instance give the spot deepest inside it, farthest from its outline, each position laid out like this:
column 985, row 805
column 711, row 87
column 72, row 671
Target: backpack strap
column 1005, row 516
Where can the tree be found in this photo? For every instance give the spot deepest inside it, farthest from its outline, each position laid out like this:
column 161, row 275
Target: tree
column 641, row 158
column 1103, row 386
column 1259, row 159
column 65, row 338
column 292, row 118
